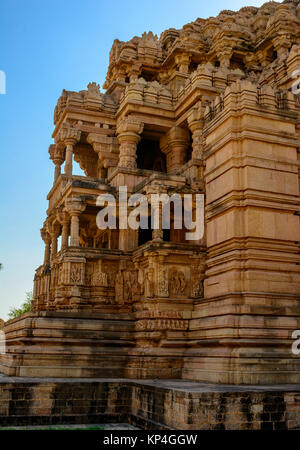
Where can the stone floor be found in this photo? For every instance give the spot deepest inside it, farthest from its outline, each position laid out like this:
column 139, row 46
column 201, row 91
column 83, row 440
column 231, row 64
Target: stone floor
column 180, row 385
column 100, row 426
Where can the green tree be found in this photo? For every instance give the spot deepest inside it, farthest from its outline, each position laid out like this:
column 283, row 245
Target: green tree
column 24, row 308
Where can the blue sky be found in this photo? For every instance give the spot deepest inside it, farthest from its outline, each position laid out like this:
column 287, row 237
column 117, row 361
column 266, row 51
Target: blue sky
column 45, row 46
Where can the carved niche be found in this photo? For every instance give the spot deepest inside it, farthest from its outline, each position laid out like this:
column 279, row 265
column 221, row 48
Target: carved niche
column 103, row 273
column 127, row 286
column 177, row 282
column 75, row 273
column 149, row 282
column 72, row 272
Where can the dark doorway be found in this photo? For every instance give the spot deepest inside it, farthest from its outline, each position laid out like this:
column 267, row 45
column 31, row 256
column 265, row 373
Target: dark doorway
column 149, row 156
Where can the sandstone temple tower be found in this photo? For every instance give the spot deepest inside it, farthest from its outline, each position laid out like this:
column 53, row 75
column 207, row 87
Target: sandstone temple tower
column 212, row 108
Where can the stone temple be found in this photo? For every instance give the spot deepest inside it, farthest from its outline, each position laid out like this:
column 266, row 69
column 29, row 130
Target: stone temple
column 213, row 109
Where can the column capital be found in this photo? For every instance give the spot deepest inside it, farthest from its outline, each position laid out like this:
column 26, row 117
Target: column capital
column 224, row 53
column 74, row 206
column 57, row 153
column 182, row 61
column 68, row 135
column 174, row 144
column 176, row 136
column 62, row 215
column 45, row 235
column 54, row 229
column 129, row 129
column 195, row 119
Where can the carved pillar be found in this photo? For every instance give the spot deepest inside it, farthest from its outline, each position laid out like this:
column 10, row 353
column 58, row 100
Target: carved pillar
column 65, row 234
column 69, row 136
column 195, row 122
column 69, row 158
column 64, row 219
column 47, row 239
column 183, row 62
column 54, row 233
column 129, row 130
column 223, row 43
column 74, row 207
column 174, row 144
column 57, row 153
column 74, row 229
column 158, row 234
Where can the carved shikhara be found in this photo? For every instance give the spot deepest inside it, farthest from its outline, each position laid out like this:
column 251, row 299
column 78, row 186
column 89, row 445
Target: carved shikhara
column 212, row 108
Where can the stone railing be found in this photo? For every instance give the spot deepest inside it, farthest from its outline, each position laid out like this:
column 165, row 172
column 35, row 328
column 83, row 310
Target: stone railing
column 147, row 92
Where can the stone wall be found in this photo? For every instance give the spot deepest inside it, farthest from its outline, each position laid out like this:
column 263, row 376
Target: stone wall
column 149, row 404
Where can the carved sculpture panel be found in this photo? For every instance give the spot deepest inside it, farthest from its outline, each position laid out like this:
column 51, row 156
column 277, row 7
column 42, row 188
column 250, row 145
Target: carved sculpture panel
column 177, row 282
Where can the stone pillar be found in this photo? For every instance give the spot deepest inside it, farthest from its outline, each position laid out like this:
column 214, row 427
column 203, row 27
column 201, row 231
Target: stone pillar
column 224, row 53
column 57, row 152
column 183, row 62
column 158, row 234
column 64, row 219
column 47, row 239
column 75, row 207
column 174, row 144
column 69, row 136
column 74, row 242
column 54, row 233
column 129, row 130
column 69, row 158
column 65, row 234
column 195, row 123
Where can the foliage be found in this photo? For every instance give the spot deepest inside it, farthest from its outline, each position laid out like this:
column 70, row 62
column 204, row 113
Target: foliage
column 24, row 308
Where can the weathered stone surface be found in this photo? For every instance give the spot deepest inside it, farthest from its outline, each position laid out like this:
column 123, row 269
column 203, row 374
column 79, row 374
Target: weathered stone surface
column 148, row 404
column 211, row 109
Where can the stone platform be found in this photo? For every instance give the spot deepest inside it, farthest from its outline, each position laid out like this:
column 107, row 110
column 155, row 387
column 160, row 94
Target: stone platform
column 148, row 404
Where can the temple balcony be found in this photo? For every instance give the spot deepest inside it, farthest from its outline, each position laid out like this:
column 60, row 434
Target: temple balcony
column 69, row 185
